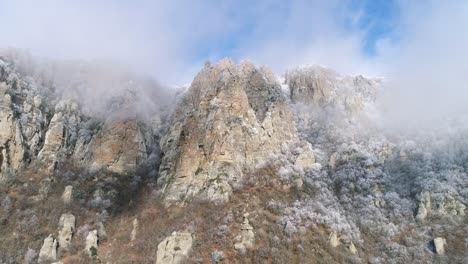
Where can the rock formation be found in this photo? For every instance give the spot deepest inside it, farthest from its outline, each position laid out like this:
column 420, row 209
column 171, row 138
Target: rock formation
column 333, row 239
column 439, row 244
column 67, row 195
column 445, row 205
column 229, row 121
column 48, row 251
column 67, row 228
column 247, row 237
column 134, row 229
column 302, row 156
column 92, row 242
column 175, row 249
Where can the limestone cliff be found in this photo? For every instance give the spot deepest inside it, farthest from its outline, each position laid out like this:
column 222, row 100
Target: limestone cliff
column 229, row 121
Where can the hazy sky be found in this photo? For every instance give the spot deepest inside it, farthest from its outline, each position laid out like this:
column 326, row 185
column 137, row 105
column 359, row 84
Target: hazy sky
column 420, row 47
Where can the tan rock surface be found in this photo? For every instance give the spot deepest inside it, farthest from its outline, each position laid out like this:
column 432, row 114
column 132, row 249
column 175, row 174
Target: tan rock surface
column 230, row 120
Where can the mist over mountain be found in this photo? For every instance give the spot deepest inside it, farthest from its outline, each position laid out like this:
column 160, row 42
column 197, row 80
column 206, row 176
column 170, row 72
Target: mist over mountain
column 182, row 132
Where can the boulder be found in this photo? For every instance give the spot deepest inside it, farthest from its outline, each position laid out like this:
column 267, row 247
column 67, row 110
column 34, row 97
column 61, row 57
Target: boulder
column 175, row 249
column 334, row 239
column 48, row 252
column 439, row 244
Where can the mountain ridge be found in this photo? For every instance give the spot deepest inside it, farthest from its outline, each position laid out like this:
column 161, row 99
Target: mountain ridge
column 230, row 170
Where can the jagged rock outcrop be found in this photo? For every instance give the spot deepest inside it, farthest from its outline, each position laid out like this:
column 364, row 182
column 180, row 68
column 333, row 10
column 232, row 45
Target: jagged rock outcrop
column 43, row 126
column 230, row 120
column 66, row 230
column 22, row 119
column 175, row 249
column 48, row 252
column 61, row 134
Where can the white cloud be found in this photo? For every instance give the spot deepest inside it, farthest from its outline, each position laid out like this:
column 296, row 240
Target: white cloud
column 427, row 70
column 426, row 65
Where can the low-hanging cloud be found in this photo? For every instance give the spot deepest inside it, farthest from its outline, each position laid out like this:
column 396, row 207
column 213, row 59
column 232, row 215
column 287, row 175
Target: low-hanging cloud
column 426, row 71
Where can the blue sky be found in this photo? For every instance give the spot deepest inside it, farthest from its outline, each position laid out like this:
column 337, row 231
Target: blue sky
column 378, row 20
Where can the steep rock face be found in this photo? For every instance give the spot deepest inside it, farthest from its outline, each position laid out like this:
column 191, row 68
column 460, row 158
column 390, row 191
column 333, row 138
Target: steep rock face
column 61, row 134
column 118, row 147
column 230, row 120
column 22, row 119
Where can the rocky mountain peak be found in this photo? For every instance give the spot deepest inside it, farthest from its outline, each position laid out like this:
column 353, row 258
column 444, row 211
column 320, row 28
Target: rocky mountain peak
column 230, row 120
